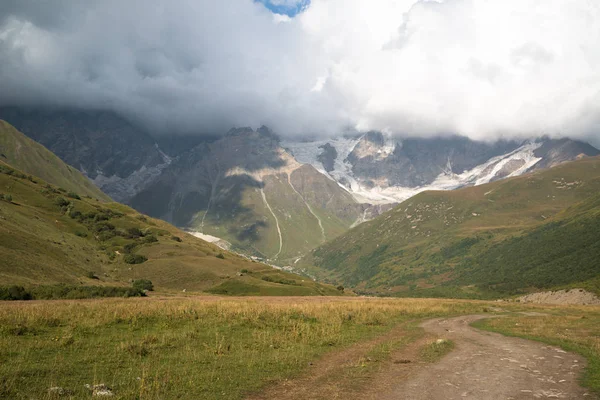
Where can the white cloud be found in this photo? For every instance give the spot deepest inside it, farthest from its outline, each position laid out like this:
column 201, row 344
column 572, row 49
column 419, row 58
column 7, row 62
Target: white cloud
column 477, row 67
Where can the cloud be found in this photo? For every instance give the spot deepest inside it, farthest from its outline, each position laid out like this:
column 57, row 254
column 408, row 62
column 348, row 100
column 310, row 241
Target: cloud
column 481, row 68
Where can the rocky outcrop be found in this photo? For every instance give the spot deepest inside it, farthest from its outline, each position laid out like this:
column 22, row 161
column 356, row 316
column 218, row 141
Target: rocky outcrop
column 327, row 156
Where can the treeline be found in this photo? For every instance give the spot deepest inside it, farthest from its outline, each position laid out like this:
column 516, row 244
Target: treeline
column 55, row 292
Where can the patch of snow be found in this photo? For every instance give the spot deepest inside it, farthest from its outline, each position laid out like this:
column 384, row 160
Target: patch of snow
column 205, row 237
column 307, row 153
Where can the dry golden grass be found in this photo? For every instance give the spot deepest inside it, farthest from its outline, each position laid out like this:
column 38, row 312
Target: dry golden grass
column 186, row 347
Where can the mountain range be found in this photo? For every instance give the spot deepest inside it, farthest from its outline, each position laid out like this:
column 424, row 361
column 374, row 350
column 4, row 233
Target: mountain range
column 271, row 198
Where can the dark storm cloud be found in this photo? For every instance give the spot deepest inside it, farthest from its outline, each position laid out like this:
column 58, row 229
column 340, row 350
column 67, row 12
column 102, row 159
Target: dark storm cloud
column 513, row 68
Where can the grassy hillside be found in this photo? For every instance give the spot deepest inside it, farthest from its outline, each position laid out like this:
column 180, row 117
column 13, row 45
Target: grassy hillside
column 49, row 235
column 505, row 237
column 305, row 219
column 32, row 158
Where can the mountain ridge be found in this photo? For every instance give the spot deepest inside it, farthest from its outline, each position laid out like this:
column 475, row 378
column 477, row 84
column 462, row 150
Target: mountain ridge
column 275, row 198
column 442, row 242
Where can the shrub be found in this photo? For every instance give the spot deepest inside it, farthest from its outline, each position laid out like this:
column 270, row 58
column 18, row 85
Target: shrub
column 81, row 234
column 74, row 214
column 134, row 259
column 129, row 247
column 176, row 238
column 134, row 233
column 340, row 288
column 143, row 284
column 103, row 227
column 14, row 293
column 73, row 195
column 279, row 280
column 221, row 256
column 150, row 239
column 106, row 235
column 61, row 202
column 62, row 291
column 6, row 197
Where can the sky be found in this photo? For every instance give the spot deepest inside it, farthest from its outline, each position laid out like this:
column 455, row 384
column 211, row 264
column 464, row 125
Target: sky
column 486, row 69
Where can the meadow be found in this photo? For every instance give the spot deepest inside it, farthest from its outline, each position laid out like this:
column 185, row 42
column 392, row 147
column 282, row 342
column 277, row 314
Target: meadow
column 207, row 347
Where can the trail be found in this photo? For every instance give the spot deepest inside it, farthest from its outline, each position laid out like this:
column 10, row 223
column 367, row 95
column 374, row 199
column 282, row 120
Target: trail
column 487, row 365
column 262, row 192
column 482, row 366
column 324, row 238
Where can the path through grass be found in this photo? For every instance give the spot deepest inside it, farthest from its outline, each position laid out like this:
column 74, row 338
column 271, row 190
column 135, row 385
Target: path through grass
column 185, row 348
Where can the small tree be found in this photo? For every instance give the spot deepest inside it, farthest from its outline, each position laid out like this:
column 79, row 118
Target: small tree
column 143, row 284
column 340, row 288
column 221, row 256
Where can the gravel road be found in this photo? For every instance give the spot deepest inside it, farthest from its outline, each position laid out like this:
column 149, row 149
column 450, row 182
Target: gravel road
column 487, row 365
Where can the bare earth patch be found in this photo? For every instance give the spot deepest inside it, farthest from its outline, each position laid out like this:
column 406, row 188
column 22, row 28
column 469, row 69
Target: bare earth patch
column 562, row 297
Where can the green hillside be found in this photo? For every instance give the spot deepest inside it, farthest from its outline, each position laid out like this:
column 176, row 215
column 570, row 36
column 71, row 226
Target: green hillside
column 535, row 231
column 32, row 158
column 49, row 235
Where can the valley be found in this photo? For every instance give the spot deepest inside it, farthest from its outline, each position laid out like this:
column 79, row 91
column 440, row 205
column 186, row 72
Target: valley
column 222, row 319
column 299, row 199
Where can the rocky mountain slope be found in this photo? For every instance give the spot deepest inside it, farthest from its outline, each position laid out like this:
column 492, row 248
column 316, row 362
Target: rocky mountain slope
column 377, row 168
column 51, row 236
column 245, row 188
column 539, row 230
column 32, row 158
column 118, row 157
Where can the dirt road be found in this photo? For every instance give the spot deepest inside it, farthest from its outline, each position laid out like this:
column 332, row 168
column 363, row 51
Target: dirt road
column 491, row 366
column 482, row 366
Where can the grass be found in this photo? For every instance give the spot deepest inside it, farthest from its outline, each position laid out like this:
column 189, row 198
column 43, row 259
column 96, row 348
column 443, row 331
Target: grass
column 48, row 237
column 34, row 159
column 435, row 350
column 536, row 231
column 575, row 329
column 157, row 348
column 209, row 348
